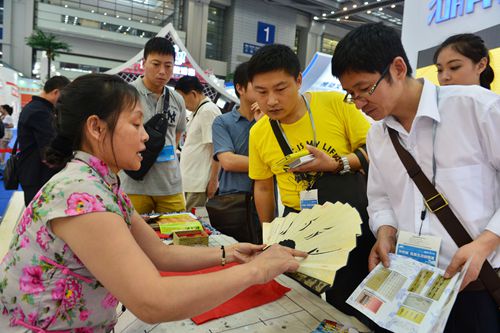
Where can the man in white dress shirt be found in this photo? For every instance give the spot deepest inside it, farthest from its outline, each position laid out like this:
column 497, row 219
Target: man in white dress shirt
column 456, row 126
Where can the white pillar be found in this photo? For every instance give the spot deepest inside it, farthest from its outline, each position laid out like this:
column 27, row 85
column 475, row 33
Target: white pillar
column 313, row 40
column 15, row 51
column 196, row 29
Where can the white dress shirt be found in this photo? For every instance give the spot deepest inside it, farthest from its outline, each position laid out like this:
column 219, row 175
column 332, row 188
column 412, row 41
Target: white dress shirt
column 467, row 153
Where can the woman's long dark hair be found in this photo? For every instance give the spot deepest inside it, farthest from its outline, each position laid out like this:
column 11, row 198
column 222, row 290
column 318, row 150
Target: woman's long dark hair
column 472, row 47
column 102, row 95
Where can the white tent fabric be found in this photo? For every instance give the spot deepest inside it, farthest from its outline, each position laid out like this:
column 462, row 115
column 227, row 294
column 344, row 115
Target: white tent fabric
column 131, row 69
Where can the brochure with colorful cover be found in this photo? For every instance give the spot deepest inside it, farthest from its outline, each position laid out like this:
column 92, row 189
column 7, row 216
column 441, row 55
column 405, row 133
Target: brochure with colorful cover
column 407, row 297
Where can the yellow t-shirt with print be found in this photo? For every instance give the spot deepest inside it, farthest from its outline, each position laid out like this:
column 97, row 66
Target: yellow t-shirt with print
column 340, row 129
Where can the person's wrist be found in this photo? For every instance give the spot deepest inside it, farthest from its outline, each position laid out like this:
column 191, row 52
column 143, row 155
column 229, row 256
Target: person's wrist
column 387, row 232
column 257, row 273
column 346, row 167
column 487, row 243
column 333, row 165
column 230, row 253
column 337, row 164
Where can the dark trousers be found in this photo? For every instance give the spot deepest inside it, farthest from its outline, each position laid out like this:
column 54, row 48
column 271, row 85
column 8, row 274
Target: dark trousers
column 256, row 223
column 474, row 312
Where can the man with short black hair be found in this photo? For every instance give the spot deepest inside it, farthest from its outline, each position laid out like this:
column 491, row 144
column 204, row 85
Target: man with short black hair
column 230, row 133
column 452, row 132
column 35, row 131
column 199, row 170
column 161, row 189
column 320, row 122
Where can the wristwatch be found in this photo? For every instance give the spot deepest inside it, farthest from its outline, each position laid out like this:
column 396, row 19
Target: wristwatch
column 346, row 166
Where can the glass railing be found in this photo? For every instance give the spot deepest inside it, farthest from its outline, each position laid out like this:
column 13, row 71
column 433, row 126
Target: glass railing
column 118, row 28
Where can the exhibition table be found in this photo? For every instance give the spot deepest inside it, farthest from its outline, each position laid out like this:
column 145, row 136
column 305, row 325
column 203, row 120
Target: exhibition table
column 298, row 311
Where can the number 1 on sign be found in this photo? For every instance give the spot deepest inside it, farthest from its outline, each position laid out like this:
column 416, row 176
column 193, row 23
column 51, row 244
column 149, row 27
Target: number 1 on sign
column 267, row 30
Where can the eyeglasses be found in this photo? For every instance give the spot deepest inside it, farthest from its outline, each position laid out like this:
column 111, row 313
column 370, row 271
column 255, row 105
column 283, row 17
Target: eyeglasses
column 350, row 99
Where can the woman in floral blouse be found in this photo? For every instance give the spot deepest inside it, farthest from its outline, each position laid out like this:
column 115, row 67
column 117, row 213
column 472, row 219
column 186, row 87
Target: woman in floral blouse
column 80, row 247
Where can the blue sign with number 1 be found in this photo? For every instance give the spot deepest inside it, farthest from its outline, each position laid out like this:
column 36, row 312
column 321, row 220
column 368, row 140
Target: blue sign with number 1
column 265, row 33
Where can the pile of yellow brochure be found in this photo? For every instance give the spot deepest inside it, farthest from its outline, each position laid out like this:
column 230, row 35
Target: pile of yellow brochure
column 327, row 232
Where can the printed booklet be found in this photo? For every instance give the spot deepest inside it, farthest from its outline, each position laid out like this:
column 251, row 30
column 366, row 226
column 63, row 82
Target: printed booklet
column 407, row 297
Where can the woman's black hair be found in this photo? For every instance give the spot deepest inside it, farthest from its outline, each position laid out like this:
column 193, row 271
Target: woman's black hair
column 470, row 46
column 102, row 95
column 8, row 109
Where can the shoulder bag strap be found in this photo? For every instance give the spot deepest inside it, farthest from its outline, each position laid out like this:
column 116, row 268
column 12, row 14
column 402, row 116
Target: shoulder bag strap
column 198, row 108
column 279, row 136
column 437, row 204
column 166, row 101
column 14, row 148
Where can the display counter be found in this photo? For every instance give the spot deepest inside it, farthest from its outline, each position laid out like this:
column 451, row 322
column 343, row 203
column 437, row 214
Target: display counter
column 299, row 311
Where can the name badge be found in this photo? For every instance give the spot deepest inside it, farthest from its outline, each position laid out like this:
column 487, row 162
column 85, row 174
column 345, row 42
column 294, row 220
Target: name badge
column 308, row 199
column 422, row 248
column 167, row 154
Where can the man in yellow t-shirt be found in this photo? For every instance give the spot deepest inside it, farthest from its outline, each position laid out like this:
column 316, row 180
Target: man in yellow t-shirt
column 339, row 128
column 336, row 129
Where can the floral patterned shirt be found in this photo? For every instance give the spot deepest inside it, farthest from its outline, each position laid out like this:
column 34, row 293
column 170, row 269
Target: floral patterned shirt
column 44, row 287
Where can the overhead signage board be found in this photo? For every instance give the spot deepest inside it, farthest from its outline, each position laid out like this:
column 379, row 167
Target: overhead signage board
column 250, row 48
column 444, row 10
column 265, row 33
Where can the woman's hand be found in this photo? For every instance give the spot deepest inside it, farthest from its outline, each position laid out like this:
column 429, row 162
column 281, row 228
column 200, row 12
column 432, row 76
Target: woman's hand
column 243, row 252
column 276, row 260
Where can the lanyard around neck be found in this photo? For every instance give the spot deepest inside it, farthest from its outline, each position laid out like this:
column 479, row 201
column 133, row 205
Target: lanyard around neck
column 313, row 126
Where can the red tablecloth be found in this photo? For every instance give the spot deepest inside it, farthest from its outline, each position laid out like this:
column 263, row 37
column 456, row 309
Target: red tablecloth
column 252, row 297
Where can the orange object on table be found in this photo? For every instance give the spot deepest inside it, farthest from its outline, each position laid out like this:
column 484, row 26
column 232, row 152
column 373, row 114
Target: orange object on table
column 250, row 298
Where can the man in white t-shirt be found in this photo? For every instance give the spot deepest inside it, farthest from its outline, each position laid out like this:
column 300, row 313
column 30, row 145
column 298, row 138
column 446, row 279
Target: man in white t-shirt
column 199, row 170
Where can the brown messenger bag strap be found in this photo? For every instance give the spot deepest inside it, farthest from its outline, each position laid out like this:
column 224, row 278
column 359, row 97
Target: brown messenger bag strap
column 437, row 204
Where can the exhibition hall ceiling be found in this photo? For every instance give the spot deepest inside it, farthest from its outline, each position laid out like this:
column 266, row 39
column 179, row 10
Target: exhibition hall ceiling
column 349, row 14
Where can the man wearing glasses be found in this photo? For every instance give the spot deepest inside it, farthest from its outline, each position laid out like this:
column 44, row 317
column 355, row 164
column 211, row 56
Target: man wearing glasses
column 452, row 132
column 319, row 122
